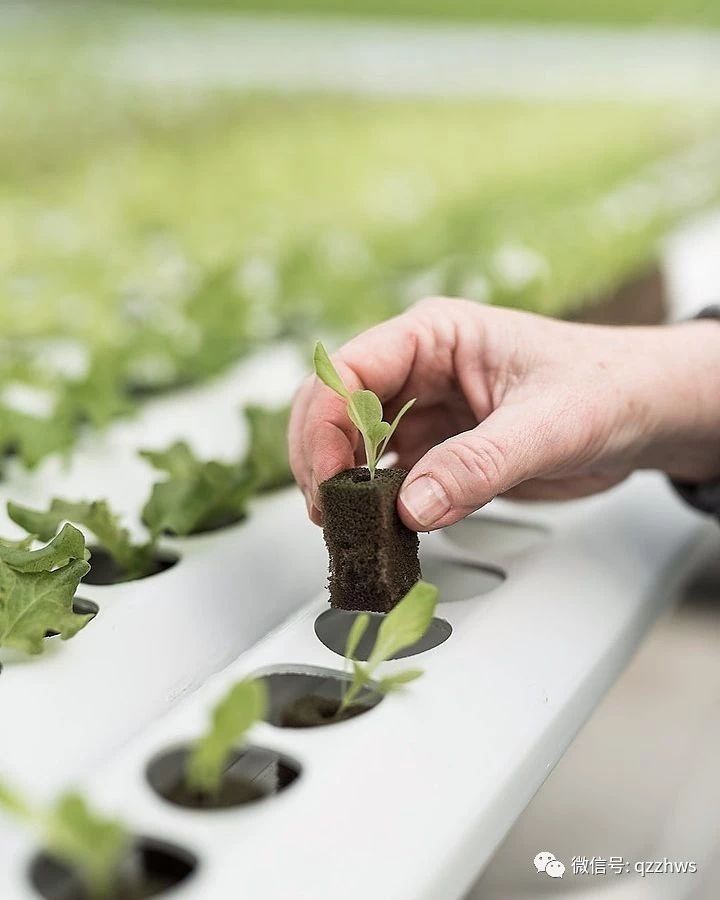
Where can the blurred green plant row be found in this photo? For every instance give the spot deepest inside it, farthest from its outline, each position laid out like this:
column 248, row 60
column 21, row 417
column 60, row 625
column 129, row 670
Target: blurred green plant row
column 623, row 12
column 149, row 239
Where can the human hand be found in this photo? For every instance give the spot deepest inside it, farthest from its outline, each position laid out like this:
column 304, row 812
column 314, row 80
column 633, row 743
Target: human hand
column 518, row 404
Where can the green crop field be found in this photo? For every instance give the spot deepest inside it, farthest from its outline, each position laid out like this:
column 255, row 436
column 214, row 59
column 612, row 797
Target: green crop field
column 615, row 12
column 160, row 235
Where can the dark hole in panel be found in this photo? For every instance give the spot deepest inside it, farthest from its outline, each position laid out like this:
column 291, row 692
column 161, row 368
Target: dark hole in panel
column 298, row 699
column 251, row 774
column 104, row 570
column 333, row 626
column 81, row 607
column 150, row 868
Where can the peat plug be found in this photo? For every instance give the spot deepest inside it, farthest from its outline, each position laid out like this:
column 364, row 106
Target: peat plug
column 373, row 556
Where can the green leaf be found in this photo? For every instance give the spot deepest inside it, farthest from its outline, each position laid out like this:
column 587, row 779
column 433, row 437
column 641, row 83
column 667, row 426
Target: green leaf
column 405, row 624
column 201, row 496
column 357, row 630
column 178, row 460
column 198, row 496
column 327, row 373
column 267, row 454
column 34, row 438
column 134, row 559
column 13, row 803
column 395, row 423
column 364, row 410
column 400, row 628
column 35, row 602
column 68, row 544
column 90, row 843
column 231, row 719
column 93, row 845
column 394, row 682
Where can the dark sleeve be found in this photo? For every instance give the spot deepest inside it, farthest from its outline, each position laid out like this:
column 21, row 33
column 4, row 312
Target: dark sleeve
column 706, row 496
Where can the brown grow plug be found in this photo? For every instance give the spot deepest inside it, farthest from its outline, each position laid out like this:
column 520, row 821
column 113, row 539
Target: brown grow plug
column 373, row 556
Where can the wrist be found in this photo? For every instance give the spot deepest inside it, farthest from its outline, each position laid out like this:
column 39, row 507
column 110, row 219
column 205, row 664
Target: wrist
column 684, row 395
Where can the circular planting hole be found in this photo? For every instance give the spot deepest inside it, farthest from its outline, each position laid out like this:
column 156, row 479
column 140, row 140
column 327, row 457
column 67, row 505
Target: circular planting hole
column 104, row 569
column 251, row 774
column 80, row 607
column 459, row 580
column 494, row 536
column 333, row 626
column 311, row 698
column 150, row 868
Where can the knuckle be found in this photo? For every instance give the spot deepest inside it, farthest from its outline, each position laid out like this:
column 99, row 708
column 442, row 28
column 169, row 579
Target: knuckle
column 475, row 469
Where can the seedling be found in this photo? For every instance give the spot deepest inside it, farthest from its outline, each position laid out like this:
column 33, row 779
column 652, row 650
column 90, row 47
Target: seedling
column 200, row 496
column 37, row 589
column 231, row 719
column 363, row 407
column 133, row 560
column 400, row 628
column 94, row 846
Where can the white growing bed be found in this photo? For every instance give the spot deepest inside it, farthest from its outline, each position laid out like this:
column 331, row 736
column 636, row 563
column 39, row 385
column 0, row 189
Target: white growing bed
column 406, row 802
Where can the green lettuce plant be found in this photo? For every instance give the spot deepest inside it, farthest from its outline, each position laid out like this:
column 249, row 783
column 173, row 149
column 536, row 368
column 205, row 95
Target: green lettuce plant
column 400, row 628
column 134, row 560
column 243, row 705
column 37, row 589
column 364, row 409
column 202, row 495
column 72, row 832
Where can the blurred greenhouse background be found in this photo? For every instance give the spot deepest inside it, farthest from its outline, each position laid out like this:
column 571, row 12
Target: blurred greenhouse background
column 163, row 211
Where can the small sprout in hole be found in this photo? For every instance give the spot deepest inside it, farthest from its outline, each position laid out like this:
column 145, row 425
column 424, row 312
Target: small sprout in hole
column 231, row 719
column 364, row 409
column 37, row 589
column 400, row 628
column 70, row 831
column 133, row 560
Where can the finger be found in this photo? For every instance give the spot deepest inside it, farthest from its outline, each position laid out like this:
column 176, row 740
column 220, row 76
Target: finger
column 384, row 359
column 462, row 474
column 296, row 453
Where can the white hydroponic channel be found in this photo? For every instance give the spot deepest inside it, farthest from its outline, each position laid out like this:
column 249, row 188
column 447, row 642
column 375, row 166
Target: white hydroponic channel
column 406, row 802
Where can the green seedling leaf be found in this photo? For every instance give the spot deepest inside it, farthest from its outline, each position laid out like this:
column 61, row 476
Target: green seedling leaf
column 234, row 715
column 91, row 844
column 13, row 804
column 400, row 628
column 405, row 624
column 394, row 425
column 67, row 545
column 35, row 602
column 355, row 635
column 394, row 682
column 364, row 410
column 327, row 373
column 134, row 559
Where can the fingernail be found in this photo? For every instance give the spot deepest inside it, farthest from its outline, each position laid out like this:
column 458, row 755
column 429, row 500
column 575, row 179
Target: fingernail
column 425, row 499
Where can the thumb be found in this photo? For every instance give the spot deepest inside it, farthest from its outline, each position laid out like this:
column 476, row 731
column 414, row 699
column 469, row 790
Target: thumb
column 466, row 471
